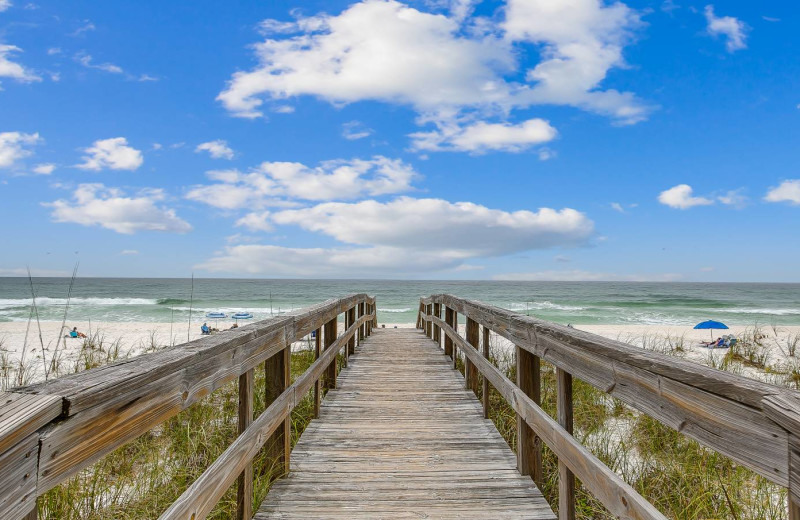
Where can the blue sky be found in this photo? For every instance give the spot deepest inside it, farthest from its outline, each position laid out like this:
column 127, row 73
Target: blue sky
column 528, row 139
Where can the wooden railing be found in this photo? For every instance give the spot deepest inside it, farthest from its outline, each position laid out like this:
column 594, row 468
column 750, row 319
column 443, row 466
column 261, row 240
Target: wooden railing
column 50, row 431
column 753, row 423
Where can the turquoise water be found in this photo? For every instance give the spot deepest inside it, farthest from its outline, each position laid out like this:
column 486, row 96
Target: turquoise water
column 163, row 300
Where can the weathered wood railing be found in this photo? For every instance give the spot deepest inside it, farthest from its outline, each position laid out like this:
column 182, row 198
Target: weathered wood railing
column 753, row 423
column 50, row 431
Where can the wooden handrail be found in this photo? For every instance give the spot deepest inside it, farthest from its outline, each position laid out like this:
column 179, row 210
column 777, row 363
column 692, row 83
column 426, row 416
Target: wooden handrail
column 52, row 430
column 751, row 422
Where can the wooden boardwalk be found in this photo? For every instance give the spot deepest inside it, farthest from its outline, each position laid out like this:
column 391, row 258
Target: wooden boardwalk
column 401, row 438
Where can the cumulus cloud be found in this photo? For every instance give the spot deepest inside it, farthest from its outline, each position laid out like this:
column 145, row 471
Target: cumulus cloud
column 218, row 149
column 128, row 252
column 433, row 224
column 391, row 52
column 5, row 4
column 734, row 198
column 787, row 191
column 15, row 146
column 256, row 221
column 279, row 261
column 114, row 154
column 587, row 276
column 680, row 197
column 13, row 70
column 271, row 182
column 481, row 137
column 98, row 205
column 44, row 169
column 733, row 30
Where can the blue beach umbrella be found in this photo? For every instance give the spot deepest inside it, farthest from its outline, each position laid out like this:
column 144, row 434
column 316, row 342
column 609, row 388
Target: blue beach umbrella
column 711, row 324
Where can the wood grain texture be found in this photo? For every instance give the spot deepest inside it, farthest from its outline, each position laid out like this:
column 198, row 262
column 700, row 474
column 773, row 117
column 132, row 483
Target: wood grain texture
column 18, row 478
column 615, row 494
column 401, row 438
column 529, row 445
column 244, row 486
column 22, row 414
column 470, row 371
column 486, row 388
column 720, row 410
column 566, row 480
column 276, row 372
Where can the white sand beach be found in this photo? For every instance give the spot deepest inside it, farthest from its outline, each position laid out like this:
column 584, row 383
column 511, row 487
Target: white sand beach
column 134, row 338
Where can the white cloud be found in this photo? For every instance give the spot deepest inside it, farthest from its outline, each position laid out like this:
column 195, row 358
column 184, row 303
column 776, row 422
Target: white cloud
column 616, row 206
column 391, row 52
column 680, row 197
column 256, row 221
column 113, row 153
column 481, row 137
column 787, row 191
column 86, row 61
column 580, row 41
column 353, row 130
column 331, row 180
column 10, row 69
column 97, row 205
column 732, row 29
column 146, row 77
column 587, row 276
column 5, row 4
column 279, row 261
column 218, row 149
column 14, row 146
column 86, row 27
column 53, row 51
column 734, row 198
column 44, row 168
column 464, row 228
column 128, row 252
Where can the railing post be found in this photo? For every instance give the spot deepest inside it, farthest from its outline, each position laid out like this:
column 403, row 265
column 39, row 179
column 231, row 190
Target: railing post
column 362, row 328
column 330, row 337
column 420, row 321
column 351, row 343
column 448, row 341
column 244, row 486
column 347, row 346
column 34, row 513
column 428, row 323
column 318, row 382
column 529, row 445
column 485, row 380
column 437, row 336
column 455, row 347
column 566, row 480
column 470, row 370
column 276, row 373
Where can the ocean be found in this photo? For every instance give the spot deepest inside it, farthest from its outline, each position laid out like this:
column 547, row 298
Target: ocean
column 165, row 300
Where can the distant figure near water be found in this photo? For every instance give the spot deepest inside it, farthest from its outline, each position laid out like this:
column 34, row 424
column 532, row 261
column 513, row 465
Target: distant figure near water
column 75, row 334
column 204, row 330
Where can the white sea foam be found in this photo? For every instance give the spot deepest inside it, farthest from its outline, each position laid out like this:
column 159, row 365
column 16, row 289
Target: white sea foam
column 406, row 309
column 45, row 301
column 774, row 312
column 543, row 306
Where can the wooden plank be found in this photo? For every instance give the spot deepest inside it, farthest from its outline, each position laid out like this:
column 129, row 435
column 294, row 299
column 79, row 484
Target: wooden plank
column 318, row 382
column 329, row 381
column 529, row 445
column 613, row 492
column 401, row 438
column 18, row 478
column 566, row 480
column 438, row 313
column 485, row 388
column 470, row 371
column 448, row 343
column 794, row 477
column 22, row 414
column 637, row 377
column 276, row 372
column 244, row 487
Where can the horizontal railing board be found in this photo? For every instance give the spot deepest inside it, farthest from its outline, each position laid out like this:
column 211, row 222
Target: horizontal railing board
column 22, row 414
column 615, row 494
column 202, row 495
column 720, row 410
column 101, row 409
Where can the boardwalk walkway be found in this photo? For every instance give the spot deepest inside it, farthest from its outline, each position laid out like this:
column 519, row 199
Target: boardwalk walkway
column 401, row 438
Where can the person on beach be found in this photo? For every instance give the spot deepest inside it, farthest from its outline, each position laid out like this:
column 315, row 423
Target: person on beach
column 204, row 330
column 75, row 334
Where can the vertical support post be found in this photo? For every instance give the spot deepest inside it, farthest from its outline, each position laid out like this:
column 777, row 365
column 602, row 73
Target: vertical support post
column 330, row 337
column 428, row 324
column 455, row 347
column 566, row 480
column 347, row 345
column 33, row 514
column 437, row 331
column 448, row 341
column 276, row 373
column 485, row 380
column 351, row 343
column 244, row 486
column 318, row 382
column 794, row 486
column 362, row 329
column 470, row 370
column 529, row 445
